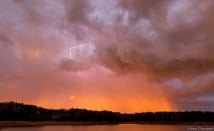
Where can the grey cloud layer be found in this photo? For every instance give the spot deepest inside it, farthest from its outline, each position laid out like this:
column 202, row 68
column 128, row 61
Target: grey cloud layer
column 164, row 39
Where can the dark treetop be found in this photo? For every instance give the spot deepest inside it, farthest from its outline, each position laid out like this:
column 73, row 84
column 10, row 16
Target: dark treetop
column 12, row 111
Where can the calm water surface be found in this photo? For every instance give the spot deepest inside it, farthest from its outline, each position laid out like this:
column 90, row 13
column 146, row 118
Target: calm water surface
column 121, row 127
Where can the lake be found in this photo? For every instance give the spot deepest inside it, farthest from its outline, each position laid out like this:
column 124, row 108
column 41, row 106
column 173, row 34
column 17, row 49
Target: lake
column 120, row 127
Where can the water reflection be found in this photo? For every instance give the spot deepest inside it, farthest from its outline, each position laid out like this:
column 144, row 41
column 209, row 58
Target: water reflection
column 122, row 127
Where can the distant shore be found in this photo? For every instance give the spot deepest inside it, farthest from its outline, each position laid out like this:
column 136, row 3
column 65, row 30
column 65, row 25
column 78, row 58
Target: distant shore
column 4, row 124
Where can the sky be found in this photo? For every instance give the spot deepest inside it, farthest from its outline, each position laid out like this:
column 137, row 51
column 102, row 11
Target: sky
column 118, row 55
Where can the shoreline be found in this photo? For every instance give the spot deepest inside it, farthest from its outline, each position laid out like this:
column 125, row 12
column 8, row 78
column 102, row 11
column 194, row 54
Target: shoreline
column 6, row 124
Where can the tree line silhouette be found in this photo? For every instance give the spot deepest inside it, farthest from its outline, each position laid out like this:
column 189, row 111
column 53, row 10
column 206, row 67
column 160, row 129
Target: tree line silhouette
column 13, row 111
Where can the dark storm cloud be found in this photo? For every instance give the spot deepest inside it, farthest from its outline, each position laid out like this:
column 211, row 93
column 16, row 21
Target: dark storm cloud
column 195, row 93
column 153, row 42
